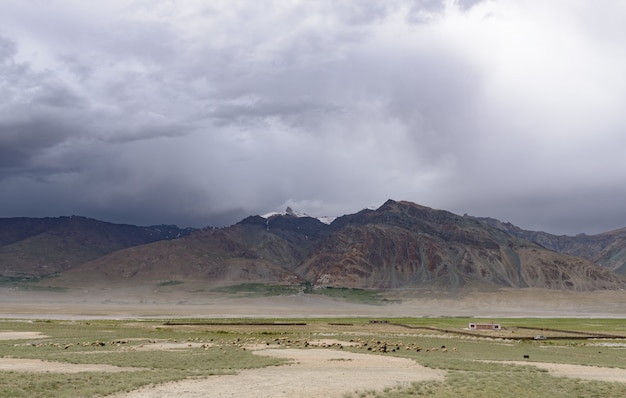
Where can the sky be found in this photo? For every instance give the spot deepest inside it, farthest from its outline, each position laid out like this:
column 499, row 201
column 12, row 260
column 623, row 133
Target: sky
column 200, row 113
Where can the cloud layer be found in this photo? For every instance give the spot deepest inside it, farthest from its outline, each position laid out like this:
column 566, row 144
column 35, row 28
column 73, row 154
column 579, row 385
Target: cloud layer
column 200, row 113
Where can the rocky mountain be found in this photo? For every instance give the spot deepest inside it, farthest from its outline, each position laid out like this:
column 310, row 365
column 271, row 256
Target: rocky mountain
column 400, row 245
column 607, row 249
column 34, row 247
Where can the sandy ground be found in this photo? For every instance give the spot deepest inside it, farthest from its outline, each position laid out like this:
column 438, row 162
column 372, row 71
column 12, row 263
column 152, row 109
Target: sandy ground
column 314, row 373
column 11, row 335
column 37, row 366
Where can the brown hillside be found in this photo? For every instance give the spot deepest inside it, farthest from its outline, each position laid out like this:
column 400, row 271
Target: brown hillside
column 211, row 257
column 399, row 245
column 607, row 249
column 404, row 245
column 36, row 247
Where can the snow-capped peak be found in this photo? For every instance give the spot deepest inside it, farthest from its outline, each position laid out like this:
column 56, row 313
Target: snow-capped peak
column 294, row 213
column 327, row 219
column 287, row 212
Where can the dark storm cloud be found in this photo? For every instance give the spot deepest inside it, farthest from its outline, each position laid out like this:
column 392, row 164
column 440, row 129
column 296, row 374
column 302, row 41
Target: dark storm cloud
column 38, row 113
column 22, row 141
column 201, row 113
column 7, row 49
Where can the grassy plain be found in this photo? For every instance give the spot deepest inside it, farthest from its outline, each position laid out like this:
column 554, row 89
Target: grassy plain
column 153, row 351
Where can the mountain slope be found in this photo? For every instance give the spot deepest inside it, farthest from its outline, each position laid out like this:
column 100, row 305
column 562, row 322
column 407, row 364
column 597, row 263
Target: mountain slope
column 404, row 245
column 607, row 249
column 213, row 257
column 399, row 245
column 33, row 247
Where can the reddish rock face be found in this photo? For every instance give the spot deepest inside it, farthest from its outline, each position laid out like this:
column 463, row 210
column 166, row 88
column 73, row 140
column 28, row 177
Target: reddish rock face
column 402, row 245
column 607, row 249
column 399, row 245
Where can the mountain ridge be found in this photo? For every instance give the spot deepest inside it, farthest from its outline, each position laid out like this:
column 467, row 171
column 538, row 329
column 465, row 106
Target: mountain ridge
column 607, row 249
column 400, row 245
column 43, row 246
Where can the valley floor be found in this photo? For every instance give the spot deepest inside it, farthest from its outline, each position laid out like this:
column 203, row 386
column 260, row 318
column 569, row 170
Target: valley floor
column 320, row 368
column 131, row 302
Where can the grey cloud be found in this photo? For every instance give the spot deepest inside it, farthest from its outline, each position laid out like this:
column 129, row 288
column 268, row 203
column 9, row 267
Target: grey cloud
column 7, row 49
column 294, row 112
column 21, row 141
column 467, row 4
column 59, row 96
column 423, row 11
column 137, row 126
column 38, row 113
column 202, row 114
column 559, row 213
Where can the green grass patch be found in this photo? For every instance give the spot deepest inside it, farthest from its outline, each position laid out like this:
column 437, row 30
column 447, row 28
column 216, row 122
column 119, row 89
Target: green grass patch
column 30, row 283
column 360, row 296
column 170, row 283
column 37, row 288
column 258, row 289
column 84, row 384
column 222, row 359
column 497, row 382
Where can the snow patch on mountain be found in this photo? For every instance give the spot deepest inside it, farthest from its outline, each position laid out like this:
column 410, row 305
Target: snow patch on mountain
column 294, row 213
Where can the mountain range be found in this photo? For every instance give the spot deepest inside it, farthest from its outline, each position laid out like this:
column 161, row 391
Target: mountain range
column 36, row 247
column 400, row 245
column 607, row 249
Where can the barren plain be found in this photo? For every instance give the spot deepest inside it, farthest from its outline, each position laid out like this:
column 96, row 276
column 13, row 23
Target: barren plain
column 330, row 358
column 163, row 302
